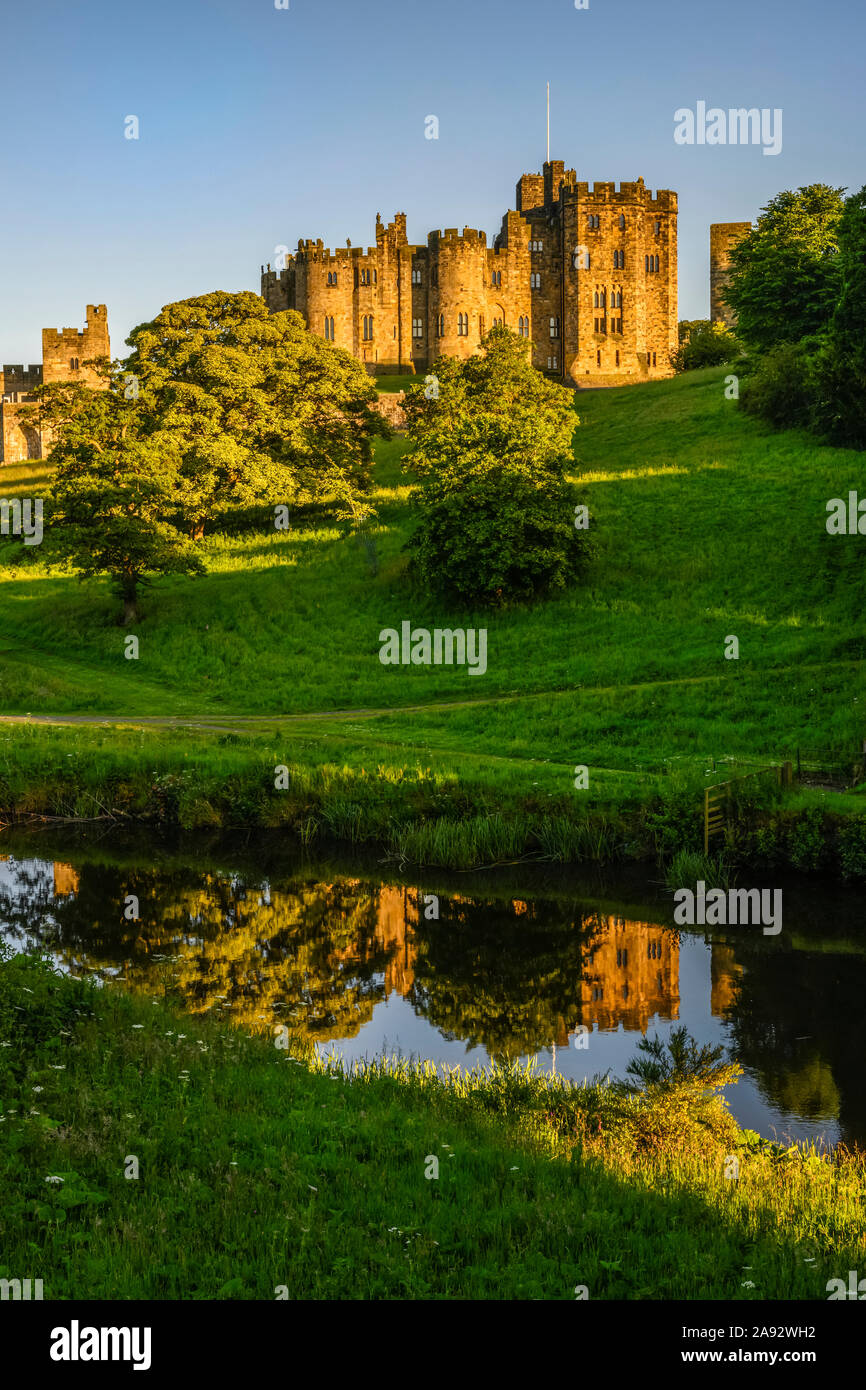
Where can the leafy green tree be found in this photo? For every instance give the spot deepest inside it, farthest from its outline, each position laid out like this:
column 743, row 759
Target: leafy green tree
column 785, row 273
column 492, row 442
column 116, row 485
column 260, row 409
column 841, row 365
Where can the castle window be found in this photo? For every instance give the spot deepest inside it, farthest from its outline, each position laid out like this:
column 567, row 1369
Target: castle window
column 621, row 220
column 496, row 278
column 618, row 304
column 416, row 277
column 536, row 246
column 595, row 329
column 657, row 264
column 551, row 364
column 329, row 328
column 368, row 327
column 374, row 277
column 73, row 364
column 417, row 328
column 523, row 326
column 554, row 328
column 617, row 357
column 481, row 325
column 535, row 281
column 619, row 260
column 593, row 220
column 603, row 299
column 595, row 300
column 441, row 326
column 654, row 359
column 604, row 325
column 657, row 226
column 463, row 325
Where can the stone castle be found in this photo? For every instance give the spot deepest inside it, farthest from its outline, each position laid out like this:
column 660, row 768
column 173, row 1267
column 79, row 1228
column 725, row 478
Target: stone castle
column 588, row 276
column 64, row 353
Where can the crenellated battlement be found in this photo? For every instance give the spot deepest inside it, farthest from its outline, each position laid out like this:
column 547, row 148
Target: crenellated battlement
column 65, row 352
column 397, row 307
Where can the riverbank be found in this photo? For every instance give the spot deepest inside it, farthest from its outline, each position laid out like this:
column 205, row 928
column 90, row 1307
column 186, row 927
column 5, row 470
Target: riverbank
column 259, row 1170
column 320, row 780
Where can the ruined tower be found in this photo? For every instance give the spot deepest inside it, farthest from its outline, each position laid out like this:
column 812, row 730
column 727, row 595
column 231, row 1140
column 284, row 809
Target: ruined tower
column 723, row 236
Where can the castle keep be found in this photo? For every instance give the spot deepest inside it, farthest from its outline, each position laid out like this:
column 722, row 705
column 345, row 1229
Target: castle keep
column 63, row 356
column 588, row 276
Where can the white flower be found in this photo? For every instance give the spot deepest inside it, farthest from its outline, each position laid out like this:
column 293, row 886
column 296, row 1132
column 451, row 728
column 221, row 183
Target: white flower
column 54, row 1178
column 747, row 1284
column 138, row 1025
column 37, row 1089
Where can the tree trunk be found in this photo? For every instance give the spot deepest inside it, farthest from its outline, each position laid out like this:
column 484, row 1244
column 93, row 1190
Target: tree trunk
column 129, row 596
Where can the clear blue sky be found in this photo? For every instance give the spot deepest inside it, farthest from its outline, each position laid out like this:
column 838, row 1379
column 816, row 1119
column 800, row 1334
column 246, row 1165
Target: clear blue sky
column 259, row 126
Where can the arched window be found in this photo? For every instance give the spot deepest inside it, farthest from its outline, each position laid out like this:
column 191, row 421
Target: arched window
column 621, row 220
column 595, row 300
column 554, row 327
column 441, row 325
column 374, row 277
column 462, row 325
column 535, row 280
column 603, row 300
column 657, row 264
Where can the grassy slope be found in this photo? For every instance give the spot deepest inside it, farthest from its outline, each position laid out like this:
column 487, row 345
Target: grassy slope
column 706, row 526
column 256, row 1171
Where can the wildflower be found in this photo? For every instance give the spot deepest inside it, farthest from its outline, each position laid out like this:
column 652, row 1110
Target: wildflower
column 138, row 1025
column 37, row 1088
column 747, row 1284
column 55, row 1178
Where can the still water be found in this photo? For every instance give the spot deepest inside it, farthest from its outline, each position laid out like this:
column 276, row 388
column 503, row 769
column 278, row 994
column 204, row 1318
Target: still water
column 459, row 969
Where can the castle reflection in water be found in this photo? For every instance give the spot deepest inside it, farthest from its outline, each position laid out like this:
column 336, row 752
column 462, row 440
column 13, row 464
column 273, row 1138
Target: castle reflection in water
column 326, row 954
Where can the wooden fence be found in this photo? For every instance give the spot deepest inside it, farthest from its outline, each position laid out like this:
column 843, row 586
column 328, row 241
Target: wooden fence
column 717, row 798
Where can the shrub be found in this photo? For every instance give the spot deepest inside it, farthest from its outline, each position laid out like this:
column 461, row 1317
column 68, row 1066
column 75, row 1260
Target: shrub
column 782, row 389
column 707, row 344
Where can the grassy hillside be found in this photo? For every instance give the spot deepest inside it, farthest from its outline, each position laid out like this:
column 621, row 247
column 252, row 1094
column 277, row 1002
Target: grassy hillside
column 706, row 526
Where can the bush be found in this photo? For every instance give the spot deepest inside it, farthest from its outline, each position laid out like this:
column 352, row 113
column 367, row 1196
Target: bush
column 706, row 344
column 782, row 389
column 852, row 847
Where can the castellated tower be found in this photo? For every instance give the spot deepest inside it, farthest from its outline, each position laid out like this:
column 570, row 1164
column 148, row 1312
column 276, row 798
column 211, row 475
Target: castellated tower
column 723, row 236
column 587, row 275
column 64, row 353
